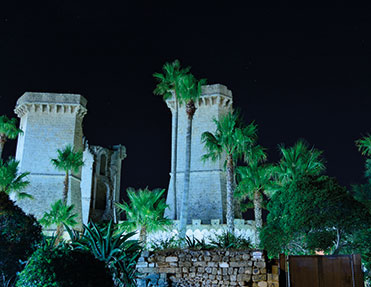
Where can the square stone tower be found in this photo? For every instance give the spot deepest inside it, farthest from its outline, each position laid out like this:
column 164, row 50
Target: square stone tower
column 49, row 122
column 207, row 194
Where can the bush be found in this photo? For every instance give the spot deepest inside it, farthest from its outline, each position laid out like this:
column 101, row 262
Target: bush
column 228, row 240
column 20, row 235
column 115, row 248
column 64, row 267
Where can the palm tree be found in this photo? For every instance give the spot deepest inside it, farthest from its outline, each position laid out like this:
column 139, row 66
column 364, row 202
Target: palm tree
column 145, row 212
column 364, row 145
column 8, row 130
column 234, row 140
column 60, row 214
column 190, row 90
column 11, row 181
column 297, row 161
column 255, row 179
column 67, row 161
column 168, row 84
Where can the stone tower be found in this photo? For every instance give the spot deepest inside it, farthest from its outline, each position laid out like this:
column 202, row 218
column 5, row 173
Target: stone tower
column 207, row 194
column 49, row 122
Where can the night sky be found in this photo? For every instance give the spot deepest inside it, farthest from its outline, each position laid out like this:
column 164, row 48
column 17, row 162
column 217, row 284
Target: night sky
column 298, row 71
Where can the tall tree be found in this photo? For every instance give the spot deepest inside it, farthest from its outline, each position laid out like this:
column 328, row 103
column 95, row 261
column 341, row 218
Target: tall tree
column 255, row 180
column 11, row 181
column 190, row 90
column 67, row 161
column 232, row 139
column 312, row 213
column 144, row 212
column 297, row 161
column 8, row 130
column 168, row 87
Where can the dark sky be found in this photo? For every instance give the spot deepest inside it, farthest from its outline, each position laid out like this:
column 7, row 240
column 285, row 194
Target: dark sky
column 298, row 71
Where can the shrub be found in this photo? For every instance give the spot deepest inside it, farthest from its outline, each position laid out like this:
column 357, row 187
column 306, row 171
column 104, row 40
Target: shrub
column 20, row 235
column 228, row 240
column 64, row 267
column 114, row 248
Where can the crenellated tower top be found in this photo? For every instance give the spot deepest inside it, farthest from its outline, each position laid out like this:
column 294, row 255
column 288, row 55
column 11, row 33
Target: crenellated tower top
column 216, row 94
column 51, row 103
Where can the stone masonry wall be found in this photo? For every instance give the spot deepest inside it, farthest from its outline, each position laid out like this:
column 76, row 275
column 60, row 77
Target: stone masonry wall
column 206, row 268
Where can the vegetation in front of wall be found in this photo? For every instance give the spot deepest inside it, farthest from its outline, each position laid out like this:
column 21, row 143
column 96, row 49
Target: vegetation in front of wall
column 115, row 249
column 20, row 234
column 222, row 241
column 64, row 266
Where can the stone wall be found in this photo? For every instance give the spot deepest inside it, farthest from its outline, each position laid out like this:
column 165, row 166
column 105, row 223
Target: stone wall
column 206, row 268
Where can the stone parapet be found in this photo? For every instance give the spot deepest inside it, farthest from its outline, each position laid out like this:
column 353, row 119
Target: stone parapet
column 206, row 268
column 51, row 103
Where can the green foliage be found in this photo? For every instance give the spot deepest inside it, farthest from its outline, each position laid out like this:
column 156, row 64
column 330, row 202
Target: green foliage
column 228, row 240
column 194, row 243
column 59, row 214
column 64, row 267
column 190, row 88
column 297, row 161
column 10, row 179
column 169, row 80
column 309, row 214
column 68, row 160
column 145, row 211
column 230, row 137
column 114, row 248
column 20, row 235
column 364, row 145
column 166, row 244
column 8, row 127
column 253, row 178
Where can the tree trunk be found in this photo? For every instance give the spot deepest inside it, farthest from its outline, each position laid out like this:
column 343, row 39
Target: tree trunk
column 258, row 215
column 65, row 190
column 143, row 235
column 230, row 192
column 187, row 172
column 2, row 143
column 59, row 234
column 175, row 159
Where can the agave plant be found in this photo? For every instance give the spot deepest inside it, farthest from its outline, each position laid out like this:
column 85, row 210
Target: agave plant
column 115, row 249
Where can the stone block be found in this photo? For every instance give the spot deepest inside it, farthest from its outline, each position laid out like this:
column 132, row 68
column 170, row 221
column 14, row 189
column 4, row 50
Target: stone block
column 259, row 264
column 171, row 259
column 223, row 265
column 258, row 278
column 274, row 269
column 262, row 284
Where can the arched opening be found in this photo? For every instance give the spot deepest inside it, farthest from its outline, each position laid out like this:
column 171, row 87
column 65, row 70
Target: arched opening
column 103, row 163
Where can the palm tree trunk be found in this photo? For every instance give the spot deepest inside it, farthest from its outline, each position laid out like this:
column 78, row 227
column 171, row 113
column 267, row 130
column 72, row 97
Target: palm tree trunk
column 230, row 191
column 2, row 143
column 65, row 190
column 175, row 158
column 258, row 215
column 187, row 172
column 143, row 235
column 59, row 234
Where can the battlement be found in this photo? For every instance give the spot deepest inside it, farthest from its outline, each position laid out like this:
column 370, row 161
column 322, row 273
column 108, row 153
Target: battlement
column 51, row 103
column 216, row 94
